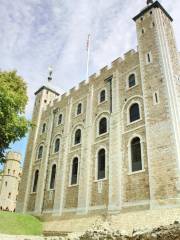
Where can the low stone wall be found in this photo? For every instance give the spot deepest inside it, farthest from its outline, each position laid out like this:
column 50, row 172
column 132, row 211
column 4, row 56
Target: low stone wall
column 105, row 232
column 125, row 222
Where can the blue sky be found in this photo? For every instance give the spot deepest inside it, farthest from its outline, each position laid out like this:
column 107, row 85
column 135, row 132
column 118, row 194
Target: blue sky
column 39, row 33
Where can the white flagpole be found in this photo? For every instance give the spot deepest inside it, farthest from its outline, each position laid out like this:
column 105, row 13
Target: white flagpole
column 88, row 57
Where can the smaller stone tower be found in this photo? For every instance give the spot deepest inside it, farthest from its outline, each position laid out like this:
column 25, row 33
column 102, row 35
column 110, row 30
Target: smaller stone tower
column 11, row 176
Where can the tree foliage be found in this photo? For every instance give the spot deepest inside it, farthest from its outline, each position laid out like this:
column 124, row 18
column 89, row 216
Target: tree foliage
column 13, row 100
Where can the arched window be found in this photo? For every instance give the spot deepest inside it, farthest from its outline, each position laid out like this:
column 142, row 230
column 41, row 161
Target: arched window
column 101, row 164
column 40, row 152
column 136, row 159
column 134, row 112
column 44, row 128
column 102, row 126
column 102, row 96
column 77, row 137
column 60, row 119
column 132, row 80
column 79, row 108
column 74, row 174
column 36, row 176
column 57, row 145
column 53, row 176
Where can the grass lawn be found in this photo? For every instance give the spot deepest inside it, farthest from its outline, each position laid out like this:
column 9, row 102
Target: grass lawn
column 19, row 224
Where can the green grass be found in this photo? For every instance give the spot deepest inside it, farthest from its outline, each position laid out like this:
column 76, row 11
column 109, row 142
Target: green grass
column 19, row 224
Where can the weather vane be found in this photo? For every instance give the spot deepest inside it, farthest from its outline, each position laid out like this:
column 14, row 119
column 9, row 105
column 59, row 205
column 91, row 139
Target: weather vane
column 149, row 2
column 50, row 74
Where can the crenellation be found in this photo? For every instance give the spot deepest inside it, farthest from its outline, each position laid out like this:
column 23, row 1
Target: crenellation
column 83, row 83
column 116, row 62
column 104, row 70
column 92, row 77
column 72, row 90
column 129, row 54
column 98, row 74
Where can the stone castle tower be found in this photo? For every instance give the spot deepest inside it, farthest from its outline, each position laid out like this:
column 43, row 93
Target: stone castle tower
column 113, row 143
column 10, row 179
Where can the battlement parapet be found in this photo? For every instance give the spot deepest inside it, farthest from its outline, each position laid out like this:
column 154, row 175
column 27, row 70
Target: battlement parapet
column 103, row 72
column 129, row 54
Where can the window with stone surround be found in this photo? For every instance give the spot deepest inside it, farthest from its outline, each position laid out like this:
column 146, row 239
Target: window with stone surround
column 136, row 158
column 132, row 80
column 102, row 125
column 40, row 152
column 101, row 166
column 74, row 171
column 44, row 128
column 77, row 137
column 53, row 176
column 134, row 112
column 36, row 176
column 102, row 96
column 57, row 145
column 60, row 118
column 79, row 109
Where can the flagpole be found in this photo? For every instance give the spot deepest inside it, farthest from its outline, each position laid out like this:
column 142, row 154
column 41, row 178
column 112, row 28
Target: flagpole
column 88, row 57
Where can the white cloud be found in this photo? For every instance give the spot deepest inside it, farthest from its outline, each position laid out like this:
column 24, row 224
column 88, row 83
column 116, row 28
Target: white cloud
column 39, row 33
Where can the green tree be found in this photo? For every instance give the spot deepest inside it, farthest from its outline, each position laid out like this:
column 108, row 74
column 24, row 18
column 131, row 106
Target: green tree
column 13, row 100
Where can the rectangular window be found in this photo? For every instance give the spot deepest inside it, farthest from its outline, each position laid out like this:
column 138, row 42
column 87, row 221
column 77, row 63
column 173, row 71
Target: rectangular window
column 74, row 174
column 101, row 166
column 136, row 155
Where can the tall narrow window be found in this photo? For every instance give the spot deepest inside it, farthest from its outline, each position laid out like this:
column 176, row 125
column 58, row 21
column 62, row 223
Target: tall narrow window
column 60, row 119
column 149, row 58
column 36, row 176
column 132, row 80
column 44, row 128
column 102, row 126
column 40, row 152
column 156, row 98
column 57, row 145
column 134, row 112
column 74, row 174
column 101, row 164
column 77, row 137
column 102, row 96
column 136, row 159
column 53, row 176
column 79, row 108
